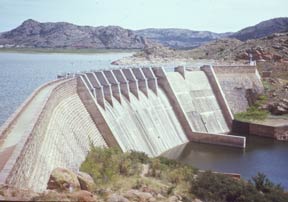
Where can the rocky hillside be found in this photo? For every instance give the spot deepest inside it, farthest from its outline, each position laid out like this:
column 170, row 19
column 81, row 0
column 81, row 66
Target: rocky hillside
column 265, row 28
column 271, row 48
column 33, row 34
column 179, row 38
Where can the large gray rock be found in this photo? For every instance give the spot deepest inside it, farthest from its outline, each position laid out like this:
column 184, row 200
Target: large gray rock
column 117, row 198
column 62, row 179
column 86, row 181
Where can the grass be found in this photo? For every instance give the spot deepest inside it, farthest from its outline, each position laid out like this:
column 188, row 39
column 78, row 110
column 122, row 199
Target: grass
column 254, row 112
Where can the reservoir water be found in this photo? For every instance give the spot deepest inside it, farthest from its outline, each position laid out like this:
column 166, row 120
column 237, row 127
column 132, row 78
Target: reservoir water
column 22, row 73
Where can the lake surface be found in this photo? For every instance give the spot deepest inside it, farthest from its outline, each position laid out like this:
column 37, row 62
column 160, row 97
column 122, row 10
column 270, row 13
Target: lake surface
column 23, row 73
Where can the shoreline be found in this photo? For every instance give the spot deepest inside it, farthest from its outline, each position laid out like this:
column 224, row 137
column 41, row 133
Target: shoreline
column 65, row 51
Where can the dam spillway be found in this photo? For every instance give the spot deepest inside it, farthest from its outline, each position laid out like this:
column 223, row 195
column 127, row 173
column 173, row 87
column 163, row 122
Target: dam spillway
column 143, row 109
column 199, row 102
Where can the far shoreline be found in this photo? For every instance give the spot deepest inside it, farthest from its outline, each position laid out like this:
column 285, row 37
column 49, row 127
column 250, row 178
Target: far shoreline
column 66, row 51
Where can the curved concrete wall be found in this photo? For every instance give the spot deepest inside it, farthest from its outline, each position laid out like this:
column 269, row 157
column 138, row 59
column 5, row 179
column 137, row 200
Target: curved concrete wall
column 143, row 109
column 60, row 138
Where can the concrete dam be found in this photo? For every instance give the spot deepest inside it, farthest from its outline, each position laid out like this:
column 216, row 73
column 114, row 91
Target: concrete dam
column 142, row 109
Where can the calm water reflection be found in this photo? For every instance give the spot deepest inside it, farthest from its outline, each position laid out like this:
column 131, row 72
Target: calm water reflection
column 260, row 155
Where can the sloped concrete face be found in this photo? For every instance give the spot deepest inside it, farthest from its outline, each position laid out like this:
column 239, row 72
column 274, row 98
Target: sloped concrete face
column 60, row 138
column 198, row 101
column 146, row 121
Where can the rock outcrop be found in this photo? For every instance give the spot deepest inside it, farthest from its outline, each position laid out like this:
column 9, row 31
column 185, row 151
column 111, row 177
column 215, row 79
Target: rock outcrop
column 271, row 48
column 86, row 181
column 179, row 38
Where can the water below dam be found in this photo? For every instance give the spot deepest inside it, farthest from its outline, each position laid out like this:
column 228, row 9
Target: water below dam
column 260, row 155
column 22, row 73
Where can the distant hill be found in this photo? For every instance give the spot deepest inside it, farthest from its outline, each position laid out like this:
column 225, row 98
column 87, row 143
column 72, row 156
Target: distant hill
column 33, row 34
column 265, row 28
column 180, row 38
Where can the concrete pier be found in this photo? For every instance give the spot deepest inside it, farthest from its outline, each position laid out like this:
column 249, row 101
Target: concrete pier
column 114, row 84
column 98, row 88
column 107, row 89
column 123, row 82
column 141, row 80
column 151, row 79
column 132, row 81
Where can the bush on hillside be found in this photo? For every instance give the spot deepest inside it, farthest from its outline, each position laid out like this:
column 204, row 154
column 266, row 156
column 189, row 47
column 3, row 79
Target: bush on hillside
column 105, row 164
column 211, row 187
column 254, row 112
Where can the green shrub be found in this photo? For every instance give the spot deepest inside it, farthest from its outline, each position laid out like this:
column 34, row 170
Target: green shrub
column 216, row 187
column 252, row 113
column 180, row 174
column 140, row 157
column 105, row 164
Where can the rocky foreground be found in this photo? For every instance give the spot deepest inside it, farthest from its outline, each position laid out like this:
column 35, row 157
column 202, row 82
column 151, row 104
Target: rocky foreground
column 65, row 185
column 108, row 175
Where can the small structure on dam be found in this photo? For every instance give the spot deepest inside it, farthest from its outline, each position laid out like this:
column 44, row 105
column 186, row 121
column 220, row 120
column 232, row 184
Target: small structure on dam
column 143, row 109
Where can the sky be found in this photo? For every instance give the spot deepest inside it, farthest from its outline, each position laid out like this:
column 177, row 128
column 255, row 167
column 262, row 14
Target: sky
column 201, row 15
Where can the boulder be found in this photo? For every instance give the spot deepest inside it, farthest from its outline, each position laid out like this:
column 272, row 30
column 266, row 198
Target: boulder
column 277, row 58
column 62, row 179
column 134, row 194
column 173, row 199
column 278, row 108
column 267, row 56
column 117, row 198
column 83, row 196
column 86, row 181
